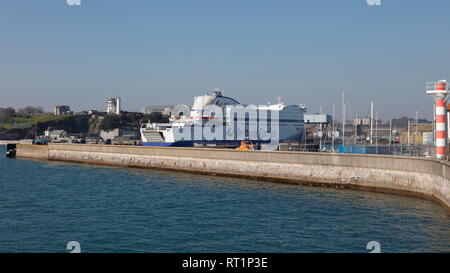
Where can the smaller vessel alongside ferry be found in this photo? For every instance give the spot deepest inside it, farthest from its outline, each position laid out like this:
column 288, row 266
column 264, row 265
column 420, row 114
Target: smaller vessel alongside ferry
column 160, row 134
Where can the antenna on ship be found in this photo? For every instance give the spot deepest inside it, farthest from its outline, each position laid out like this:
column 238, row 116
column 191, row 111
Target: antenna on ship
column 280, row 100
column 218, row 91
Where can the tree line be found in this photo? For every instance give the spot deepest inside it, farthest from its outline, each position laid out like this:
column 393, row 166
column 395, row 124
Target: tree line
column 9, row 112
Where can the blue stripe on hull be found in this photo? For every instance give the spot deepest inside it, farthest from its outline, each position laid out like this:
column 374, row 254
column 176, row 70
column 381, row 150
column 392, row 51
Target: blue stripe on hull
column 191, row 143
column 224, row 142
column 177, row 144
column 156, row 144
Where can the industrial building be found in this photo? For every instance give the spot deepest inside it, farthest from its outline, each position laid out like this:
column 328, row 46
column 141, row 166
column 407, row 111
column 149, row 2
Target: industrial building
column 61, row 110
column 56, row 135
column 318, row 119
column 163, row 109
column 125, row 132
column 417, row 134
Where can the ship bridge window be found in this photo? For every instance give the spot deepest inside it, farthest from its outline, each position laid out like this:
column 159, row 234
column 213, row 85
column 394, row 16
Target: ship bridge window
column 223, row 101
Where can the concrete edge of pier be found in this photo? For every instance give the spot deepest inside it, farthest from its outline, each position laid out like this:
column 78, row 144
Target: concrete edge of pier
column 412, row 176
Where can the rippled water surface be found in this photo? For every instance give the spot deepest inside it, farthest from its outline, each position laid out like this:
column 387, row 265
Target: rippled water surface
column 43, row 205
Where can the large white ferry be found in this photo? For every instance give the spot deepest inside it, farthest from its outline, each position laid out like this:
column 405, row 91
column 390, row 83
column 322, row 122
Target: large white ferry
column 235, row 122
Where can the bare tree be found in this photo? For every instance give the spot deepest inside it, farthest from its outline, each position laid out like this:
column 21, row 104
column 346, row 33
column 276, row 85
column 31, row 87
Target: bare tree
column 7, row 113
column 31, row 110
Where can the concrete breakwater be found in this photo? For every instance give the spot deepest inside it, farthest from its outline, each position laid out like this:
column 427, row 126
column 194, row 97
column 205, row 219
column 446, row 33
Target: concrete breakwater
column 5, row 142
column 425, row 178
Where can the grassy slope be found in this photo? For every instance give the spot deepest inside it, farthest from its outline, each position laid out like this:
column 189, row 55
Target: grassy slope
column 28, row 121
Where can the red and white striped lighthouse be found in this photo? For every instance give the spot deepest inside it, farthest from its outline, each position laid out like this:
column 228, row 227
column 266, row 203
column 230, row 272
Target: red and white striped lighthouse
column 439, row 91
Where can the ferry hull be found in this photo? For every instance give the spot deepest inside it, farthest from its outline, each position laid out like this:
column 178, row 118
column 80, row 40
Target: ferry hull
column 191, row 143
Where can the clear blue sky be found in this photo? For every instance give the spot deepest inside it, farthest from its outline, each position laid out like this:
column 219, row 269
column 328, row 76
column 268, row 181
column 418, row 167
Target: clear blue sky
column 165, row 52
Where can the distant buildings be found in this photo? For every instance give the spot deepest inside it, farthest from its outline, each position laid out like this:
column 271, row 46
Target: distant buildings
column 421, row 133
column 163, row 109
column 318, row 119
column 87, row 112
column 61, row 110
column 110, row 136
column 55, row 135
column 361, row 121
column 318, row 125
column 113, row 106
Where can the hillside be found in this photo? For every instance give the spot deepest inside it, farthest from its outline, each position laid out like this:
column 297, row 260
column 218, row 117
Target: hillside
column 27, row 126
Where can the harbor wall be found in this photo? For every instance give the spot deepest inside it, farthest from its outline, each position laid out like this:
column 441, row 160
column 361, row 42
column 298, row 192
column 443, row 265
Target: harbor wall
column 426, row 178
column 5, row 142
column 32, row 151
